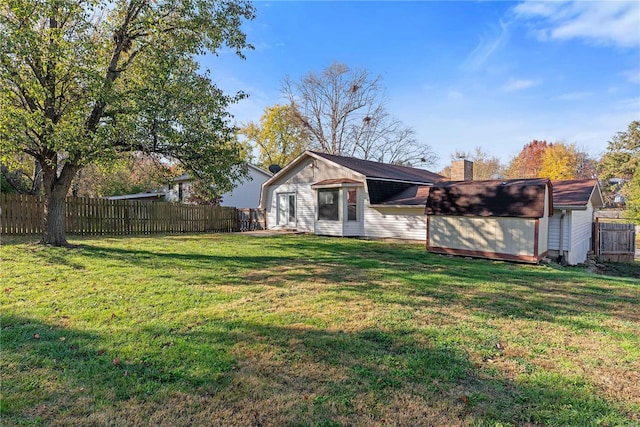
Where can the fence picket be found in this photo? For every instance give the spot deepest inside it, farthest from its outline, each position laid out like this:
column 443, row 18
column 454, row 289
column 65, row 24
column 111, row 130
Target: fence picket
column 615, row 241
column 22, row 215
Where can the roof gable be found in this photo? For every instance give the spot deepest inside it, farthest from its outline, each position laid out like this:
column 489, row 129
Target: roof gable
column 577, row 192
column 386, row 171
column 523, row 198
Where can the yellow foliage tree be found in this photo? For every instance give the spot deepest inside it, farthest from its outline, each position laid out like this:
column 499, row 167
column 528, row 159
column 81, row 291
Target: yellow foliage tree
column 279, row 137
column 559, row 161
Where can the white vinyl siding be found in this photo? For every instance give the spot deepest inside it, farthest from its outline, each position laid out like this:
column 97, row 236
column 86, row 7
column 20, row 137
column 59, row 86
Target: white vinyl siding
column 298, row 180
column 247, row 193
column 554, row 231
column 581, row 229
column 543, row 227
column 395, row 222
column 577, row 229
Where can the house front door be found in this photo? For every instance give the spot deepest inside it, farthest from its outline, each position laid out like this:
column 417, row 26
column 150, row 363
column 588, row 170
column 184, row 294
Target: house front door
column 287, row 209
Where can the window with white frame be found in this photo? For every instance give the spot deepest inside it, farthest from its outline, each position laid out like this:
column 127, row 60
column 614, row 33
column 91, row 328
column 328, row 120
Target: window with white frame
column 328, row 204
column 352, row 205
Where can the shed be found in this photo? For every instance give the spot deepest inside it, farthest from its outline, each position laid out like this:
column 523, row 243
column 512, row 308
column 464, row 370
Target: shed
column 494, row 219
column 570, row 227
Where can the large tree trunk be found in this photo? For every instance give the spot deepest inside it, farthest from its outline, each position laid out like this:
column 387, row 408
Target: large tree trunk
column 54, row 226
column 55, row 223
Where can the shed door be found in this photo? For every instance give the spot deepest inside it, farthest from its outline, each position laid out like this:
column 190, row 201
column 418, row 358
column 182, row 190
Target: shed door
column 287, row 209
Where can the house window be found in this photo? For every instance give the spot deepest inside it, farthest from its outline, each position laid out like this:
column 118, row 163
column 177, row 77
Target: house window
column 180, row 191
column 328, row 204
column 352, row 210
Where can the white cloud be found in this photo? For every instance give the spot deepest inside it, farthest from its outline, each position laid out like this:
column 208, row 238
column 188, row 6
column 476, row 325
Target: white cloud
column 454, row 94
column 514, row 85
column 487, row 47
column 632, row 76
column 572, row 96
column 602, row 22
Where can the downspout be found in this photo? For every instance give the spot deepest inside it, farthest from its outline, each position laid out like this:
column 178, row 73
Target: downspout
column 561, row 256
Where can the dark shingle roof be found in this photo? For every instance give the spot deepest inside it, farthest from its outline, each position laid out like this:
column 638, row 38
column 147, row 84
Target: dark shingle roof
column 416, row 195
column 523, row 198
column 574, row 192
column 383, row 170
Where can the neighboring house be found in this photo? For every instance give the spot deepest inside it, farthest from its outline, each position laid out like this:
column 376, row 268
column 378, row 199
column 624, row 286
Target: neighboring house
column 570, row 227
column 245, row 195
column 342, row 196
column 497, row 219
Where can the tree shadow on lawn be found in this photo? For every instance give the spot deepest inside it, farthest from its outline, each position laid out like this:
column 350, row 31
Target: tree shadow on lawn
column 247, row 373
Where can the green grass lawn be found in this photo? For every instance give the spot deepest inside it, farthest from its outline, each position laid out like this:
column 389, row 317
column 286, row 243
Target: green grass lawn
column 301, row 330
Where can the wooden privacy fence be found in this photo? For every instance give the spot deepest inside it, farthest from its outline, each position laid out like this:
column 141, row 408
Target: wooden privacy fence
column 88, row 216
column 615, row 241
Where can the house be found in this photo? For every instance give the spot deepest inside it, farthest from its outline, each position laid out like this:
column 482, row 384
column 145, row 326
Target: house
column 497, row 219
column 570, row 227
column 333, row 195
column 515, row 220
column 245, row 195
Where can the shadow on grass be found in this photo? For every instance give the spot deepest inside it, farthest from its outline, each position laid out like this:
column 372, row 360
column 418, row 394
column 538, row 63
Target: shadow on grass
column 366, row 268
column 269, row 374
column 254, row 367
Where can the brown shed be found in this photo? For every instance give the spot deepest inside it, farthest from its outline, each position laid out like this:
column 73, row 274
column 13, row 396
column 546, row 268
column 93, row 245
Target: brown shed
column 497, row 219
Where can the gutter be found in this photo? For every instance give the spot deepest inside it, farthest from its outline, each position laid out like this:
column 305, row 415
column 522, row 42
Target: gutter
column 570, row 207
column 396, row 206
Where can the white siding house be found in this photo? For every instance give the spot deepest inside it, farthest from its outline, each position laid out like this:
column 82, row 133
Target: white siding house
column 245, row 195
column 342, row 196
column 570, row 227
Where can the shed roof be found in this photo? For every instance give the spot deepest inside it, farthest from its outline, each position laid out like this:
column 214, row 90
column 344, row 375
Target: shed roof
column 576, row 193
column 522, row 198
column 383, row 170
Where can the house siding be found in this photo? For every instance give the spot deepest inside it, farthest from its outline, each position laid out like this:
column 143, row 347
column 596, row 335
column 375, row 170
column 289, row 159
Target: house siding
column 408, row 223
column 298, row 180
column 554, row 231
column 581, row 226
column 577, row 231
column 543, row 227
column 247, row 193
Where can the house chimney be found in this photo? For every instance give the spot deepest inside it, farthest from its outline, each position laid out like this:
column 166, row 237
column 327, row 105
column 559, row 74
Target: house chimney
column 461, row 170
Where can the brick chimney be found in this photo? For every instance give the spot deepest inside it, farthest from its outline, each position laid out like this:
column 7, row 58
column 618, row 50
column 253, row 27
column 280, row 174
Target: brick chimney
column 461, row 170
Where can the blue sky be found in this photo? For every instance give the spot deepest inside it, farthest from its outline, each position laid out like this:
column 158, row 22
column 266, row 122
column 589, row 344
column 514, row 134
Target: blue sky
column 494, row 74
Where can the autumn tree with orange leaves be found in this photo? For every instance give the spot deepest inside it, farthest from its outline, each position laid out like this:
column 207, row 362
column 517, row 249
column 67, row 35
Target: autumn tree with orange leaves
column 528, row 163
